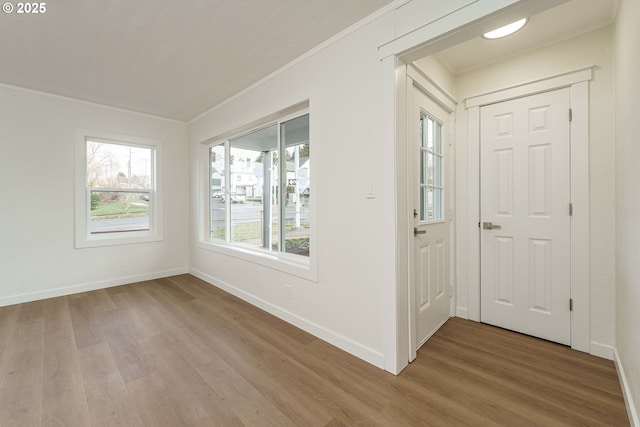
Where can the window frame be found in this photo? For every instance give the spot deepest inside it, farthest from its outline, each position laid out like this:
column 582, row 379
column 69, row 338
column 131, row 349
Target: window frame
column 298, row 265
column 83, row 236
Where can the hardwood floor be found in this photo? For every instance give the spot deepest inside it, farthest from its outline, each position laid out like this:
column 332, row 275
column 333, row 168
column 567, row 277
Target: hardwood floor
column 179, row 352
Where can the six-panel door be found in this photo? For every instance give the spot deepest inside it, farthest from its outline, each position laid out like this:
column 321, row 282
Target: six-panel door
column 525, row 221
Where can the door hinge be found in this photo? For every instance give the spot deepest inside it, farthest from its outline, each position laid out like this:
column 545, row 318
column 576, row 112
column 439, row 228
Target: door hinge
column 570, row 115
column 415, row 213
column 570, row 304
column 570, row 209
column 478, row 225
column 450, row 291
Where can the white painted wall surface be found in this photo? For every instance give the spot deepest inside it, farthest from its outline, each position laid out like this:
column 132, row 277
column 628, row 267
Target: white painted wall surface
column 37, row 255
column 435, row 70
column 594, row 48
column 627, row 175
column 416, row 13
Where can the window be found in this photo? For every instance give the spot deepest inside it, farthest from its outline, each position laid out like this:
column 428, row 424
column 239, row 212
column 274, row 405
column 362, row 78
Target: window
column 117, row 189
column 431, row 173
column 259, row 189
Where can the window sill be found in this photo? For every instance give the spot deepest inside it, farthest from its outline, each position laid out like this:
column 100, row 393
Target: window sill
column 117, row 239
column 291, row 264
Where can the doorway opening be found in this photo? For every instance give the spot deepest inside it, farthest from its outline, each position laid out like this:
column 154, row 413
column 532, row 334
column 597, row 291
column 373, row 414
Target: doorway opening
column 475, row 86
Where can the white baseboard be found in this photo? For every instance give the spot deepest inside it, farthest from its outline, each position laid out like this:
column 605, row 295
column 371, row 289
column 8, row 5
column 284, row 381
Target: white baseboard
column 462, row 312
column 601, row 350
column 360, row 351
column 634, row 418
column 85, row 287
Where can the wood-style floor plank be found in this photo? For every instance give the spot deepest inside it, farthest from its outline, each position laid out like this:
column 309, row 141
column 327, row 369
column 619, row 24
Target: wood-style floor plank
column 8, row 324
column 107, row 397
column 260, row 352
column 21, row 384
column 85, row 320
column 63, row 396
column 252, row 408
column 31, row 311
column 197, row 402
column 258, row 364
column 180, row 352
column 155, row 403
column 123, row 328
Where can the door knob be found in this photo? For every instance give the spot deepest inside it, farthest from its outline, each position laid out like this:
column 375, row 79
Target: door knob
column 490, row 226
column 416, row 231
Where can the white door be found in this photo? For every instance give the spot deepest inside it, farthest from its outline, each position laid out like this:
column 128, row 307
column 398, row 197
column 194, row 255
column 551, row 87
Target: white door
column 525, row 215
column 430, row 284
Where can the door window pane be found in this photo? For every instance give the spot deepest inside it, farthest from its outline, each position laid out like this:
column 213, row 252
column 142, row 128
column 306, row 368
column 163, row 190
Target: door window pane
column 437, row 171
column 437, row 203
column 426, row 197
column 437, row 129
column 427, row 133
column 431, row 170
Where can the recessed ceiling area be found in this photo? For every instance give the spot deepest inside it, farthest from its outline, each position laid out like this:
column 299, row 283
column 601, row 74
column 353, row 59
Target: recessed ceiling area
column 174, row 59
column 553, row 25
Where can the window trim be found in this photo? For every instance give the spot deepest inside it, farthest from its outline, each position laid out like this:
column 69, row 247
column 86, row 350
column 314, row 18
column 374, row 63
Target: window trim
column 83, row 238
column 301, row 266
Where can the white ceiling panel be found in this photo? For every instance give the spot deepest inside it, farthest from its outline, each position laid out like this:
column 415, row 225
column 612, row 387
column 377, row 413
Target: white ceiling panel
column 169, row 58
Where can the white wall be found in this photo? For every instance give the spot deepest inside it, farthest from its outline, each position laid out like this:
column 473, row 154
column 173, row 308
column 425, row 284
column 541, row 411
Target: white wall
column 627, row 205
column 593, row 48
column 37, row 255
column 436, row 71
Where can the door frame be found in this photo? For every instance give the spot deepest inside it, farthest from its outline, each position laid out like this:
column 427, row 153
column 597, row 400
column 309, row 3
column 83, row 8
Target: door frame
column 415, row 78
column 578, row 83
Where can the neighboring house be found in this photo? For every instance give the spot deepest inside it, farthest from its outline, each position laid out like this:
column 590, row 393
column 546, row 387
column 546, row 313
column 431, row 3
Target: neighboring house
column 248, row 177
column 217, row 179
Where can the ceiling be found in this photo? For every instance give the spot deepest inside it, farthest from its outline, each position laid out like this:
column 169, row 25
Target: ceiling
column 559, row 23
column 174, row 59
column 177, row 59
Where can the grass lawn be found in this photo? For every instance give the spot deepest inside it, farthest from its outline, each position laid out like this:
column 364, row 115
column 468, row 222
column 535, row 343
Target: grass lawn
column 253, row 231
column 117, row 210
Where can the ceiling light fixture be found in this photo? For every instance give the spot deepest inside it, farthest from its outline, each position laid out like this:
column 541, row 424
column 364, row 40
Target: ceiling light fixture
column 506, row 30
